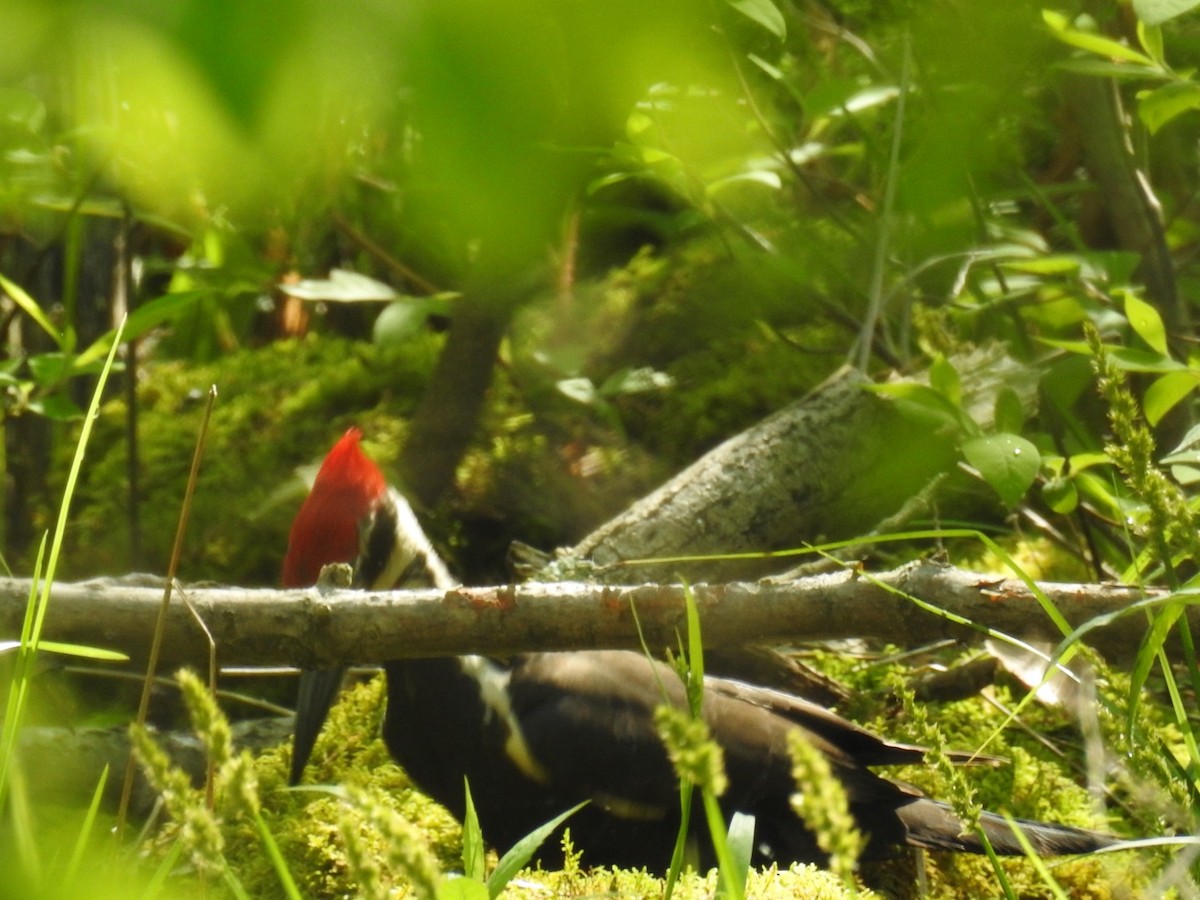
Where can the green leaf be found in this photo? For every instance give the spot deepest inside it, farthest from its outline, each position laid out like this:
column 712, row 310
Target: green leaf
column 1145, row 320
column 57, row 406
column 1101, row 68
column 581, row 390
column 741, row 846
column 522, row 851
column 1155, row 12
column 1061, row 495
column 1133, row 360
column 1166, row 391
column 1091, row 41
column 1009, row 414
column 635, row 381
column 50, row 368
column 765, row 13
column 943, row 378
column 30, row 307
column 405, row 317
column 78, row 650
column 1007, row 462
column 1151, row 38
column 923, row 403
column 474, row 855
column 1160, row 105
column 1055, row 264
column 341, row 286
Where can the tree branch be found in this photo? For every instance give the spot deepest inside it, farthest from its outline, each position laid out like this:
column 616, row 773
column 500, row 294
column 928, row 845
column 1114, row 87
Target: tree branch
column 306, row 628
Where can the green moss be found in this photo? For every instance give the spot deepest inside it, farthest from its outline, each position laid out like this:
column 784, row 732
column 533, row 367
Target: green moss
column 764, row 884
column 277, row 409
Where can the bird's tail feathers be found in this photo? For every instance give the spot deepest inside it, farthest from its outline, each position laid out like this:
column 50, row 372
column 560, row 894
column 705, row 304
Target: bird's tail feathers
column 933, row 825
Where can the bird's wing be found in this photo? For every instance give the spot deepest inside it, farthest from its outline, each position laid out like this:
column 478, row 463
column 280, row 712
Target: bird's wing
column 865, row 747
column 588, row 720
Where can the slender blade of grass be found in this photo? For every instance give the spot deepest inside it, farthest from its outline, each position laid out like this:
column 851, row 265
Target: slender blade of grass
column 85, row 829
column 522, row 851
column 18, row 691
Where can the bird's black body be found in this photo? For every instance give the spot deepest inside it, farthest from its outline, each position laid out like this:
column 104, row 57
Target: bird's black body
column 579, row 726
column 536, row 734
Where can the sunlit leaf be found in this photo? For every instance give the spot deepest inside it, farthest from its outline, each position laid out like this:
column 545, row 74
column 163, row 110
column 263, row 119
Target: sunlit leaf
column 1061, row 495
column 63, row 649
column 30, row 307
column 759, row 176
column 635, row 381
column 943, row 378
column 1166, row 392
column 1007, row 462
column 1145, row 320
column 1162, row 104
column 1155, row 12
column 1093, row 42
column 765, row 13
column 580, row 390
column 407, row 316
column 522, row 851
column 1102, row 68
column 1009, row 413
column 342, row 286
column 1056, row 264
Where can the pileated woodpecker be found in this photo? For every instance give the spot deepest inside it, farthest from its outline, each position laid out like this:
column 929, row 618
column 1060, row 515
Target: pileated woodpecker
column 538, row 733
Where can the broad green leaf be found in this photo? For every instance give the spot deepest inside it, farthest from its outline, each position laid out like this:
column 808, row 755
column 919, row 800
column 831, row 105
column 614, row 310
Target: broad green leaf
column 765, row 13
column 1190, row 442
column 1186, row 475
column 1166, row 391
column 1151, row 38
column 1145, row 320
column 407, row 316
column 922, row 402
column 57, row 406
column 1007, row 462
column 50, row 368
column 1158, row 106
column 1155, row 12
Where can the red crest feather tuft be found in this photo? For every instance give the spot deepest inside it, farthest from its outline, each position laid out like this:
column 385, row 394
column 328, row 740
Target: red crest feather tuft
column 325, row 529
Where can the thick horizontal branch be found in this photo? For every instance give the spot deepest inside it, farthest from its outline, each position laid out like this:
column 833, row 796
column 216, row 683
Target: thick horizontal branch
column 269, row 627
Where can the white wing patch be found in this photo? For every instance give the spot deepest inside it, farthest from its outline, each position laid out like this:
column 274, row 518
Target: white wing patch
column 493, row 688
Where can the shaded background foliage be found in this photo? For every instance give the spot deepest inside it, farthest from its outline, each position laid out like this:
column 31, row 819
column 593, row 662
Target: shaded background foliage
column 662, row 224
column 595, row 240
